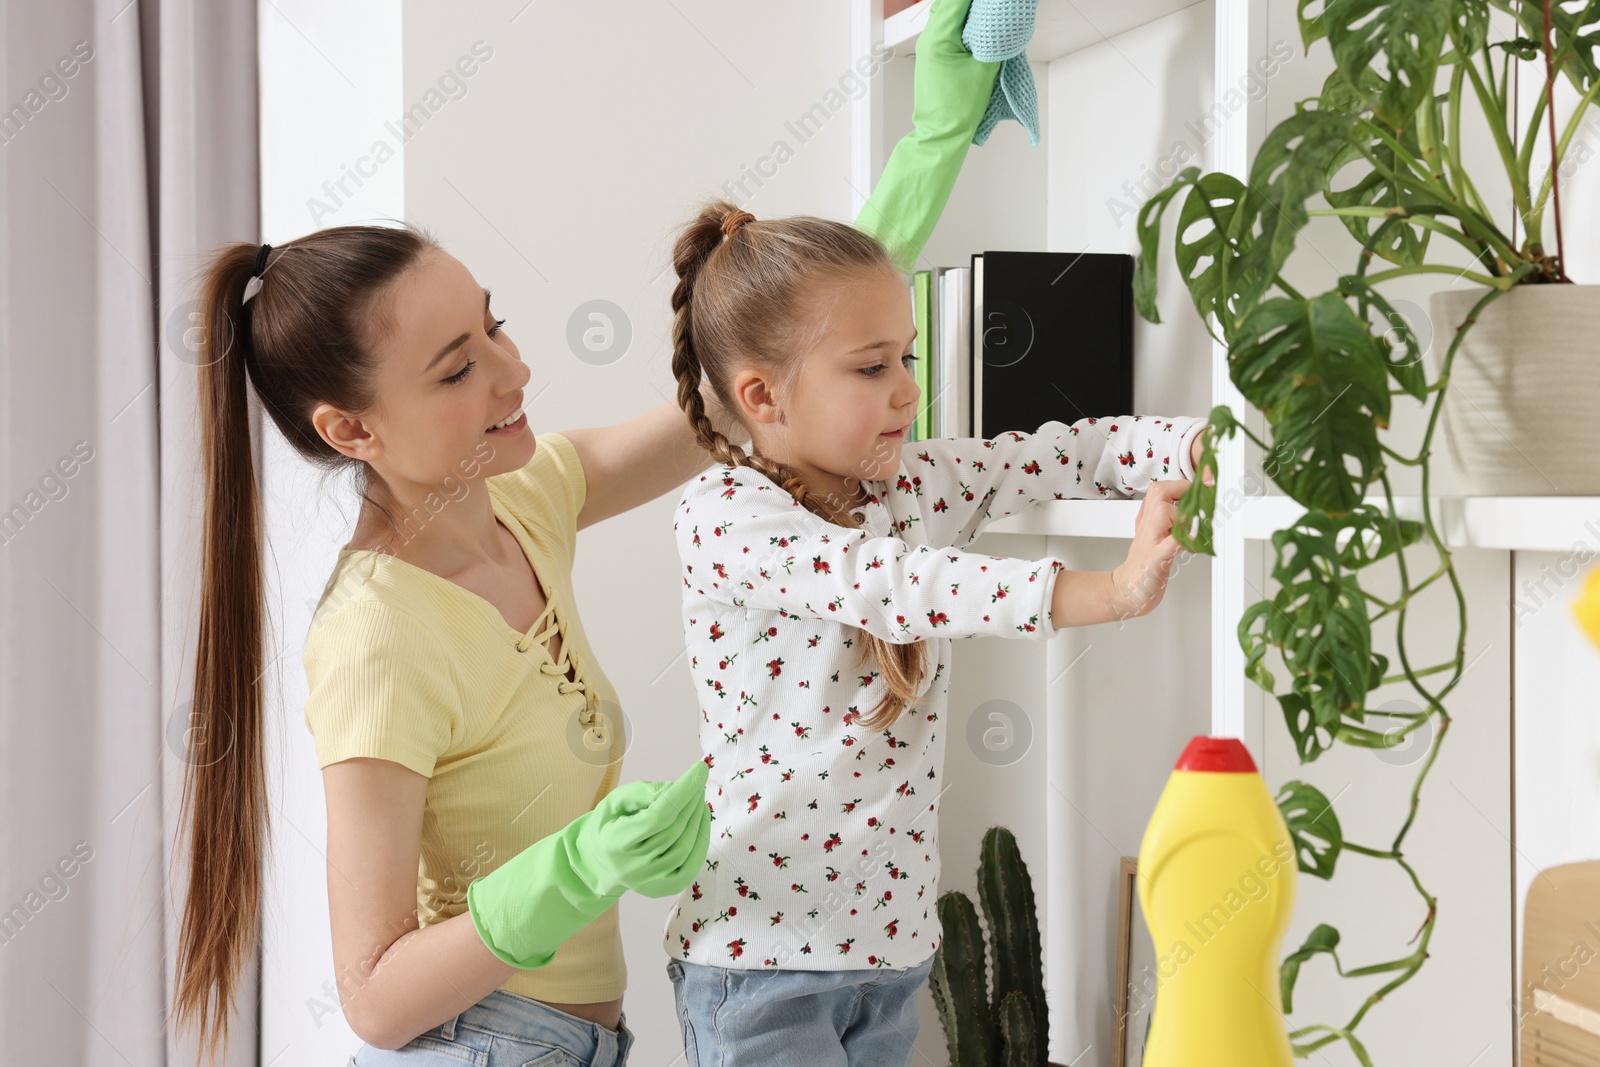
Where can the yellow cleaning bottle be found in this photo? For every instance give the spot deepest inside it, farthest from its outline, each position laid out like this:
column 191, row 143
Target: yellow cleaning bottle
column 1217, row 878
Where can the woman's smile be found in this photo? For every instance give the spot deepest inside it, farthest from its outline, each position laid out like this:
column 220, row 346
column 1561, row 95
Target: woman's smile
column 511, row 429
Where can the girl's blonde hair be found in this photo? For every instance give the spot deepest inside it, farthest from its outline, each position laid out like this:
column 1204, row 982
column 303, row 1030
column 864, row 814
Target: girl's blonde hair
column 743, row 300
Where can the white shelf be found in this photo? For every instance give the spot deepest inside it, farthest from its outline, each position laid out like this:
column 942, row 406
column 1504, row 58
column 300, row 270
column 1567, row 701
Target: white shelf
column 1060, row 27
column 1071, row 518
column 1527, row 523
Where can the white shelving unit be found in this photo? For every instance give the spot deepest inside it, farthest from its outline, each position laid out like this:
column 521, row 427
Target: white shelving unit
column 1059, row 29
column 1511, row 523
column 1117, row 79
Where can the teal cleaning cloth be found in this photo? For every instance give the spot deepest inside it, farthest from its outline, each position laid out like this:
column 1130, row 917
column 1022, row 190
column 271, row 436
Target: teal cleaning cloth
column 997, row 31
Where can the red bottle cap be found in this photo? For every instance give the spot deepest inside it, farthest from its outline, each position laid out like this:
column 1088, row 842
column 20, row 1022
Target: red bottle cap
column 1216, row 754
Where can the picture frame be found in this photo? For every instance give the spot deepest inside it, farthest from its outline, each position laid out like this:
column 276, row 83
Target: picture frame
column 1133, row 995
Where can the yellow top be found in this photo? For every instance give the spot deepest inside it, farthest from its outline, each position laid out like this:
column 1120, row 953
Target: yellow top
column 405, row 665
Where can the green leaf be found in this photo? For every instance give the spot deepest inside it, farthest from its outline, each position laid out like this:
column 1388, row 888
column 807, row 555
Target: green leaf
column 1149, row 230
column 1316, row 372
column 1469, row 26
column 1311, row 738
column 1371, row 174
column 1312, row 27
column 1524, row 48
column 1575, row 42
column 1288, row 170
column 1317, row 619
column 1200, row 501
column 1375, row 534
column 1313, row 826
column 1403, row 37
column 1255, row 645
column 1405, row 361
column 1207, row 246
column 1324, row 938
column 1214, row 230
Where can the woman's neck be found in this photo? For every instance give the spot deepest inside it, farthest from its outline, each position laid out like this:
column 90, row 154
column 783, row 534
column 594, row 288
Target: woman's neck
column 449, row 539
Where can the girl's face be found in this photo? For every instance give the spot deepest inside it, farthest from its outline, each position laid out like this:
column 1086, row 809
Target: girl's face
column 846, row 414
column 447, row 372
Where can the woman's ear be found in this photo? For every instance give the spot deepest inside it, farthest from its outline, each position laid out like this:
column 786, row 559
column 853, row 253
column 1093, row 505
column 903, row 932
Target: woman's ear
column 347, row 434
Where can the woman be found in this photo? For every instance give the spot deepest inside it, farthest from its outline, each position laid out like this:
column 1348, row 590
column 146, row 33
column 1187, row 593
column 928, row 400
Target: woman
column 474, row 822
column 375, row 348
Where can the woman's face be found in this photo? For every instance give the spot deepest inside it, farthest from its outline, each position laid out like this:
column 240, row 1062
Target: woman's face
column 446, row 374
column 845, row 418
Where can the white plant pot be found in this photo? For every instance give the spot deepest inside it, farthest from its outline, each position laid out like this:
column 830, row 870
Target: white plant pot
column 1520, row 411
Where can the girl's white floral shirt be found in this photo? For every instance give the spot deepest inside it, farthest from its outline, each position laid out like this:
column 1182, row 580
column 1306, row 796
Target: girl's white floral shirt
column 824, row 841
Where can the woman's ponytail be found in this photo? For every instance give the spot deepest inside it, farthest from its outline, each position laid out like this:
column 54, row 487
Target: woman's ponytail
column 224, row 770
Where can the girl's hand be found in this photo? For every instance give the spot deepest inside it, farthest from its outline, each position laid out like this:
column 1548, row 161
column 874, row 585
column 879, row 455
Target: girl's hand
column 1139, row 582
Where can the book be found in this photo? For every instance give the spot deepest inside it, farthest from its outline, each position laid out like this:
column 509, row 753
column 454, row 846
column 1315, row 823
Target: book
column 922, row 293
column 1051, row 338
column 953, row 353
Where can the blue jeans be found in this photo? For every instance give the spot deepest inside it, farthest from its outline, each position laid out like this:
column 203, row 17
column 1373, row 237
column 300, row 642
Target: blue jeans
column 779, row 1018
column 505, row 1029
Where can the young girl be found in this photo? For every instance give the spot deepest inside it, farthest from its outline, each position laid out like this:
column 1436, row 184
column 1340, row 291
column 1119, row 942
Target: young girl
column 825, row 577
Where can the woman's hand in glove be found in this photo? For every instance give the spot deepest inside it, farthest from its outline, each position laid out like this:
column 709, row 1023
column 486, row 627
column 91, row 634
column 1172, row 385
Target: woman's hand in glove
column 650, row 837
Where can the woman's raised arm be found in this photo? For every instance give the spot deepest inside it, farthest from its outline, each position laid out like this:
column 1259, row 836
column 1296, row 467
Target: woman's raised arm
column 633, row 462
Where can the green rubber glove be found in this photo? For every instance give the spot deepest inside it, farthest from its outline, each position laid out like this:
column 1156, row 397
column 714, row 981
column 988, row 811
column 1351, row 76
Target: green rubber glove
column 952, row 92
column 650, row 837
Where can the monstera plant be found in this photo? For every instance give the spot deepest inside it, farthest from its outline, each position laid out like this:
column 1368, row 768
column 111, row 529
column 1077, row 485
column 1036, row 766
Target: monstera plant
column 1382, row 147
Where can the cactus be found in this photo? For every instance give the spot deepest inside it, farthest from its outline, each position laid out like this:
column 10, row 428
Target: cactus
column 1007, row 1026
column 1006, row 894
column 1016, row 1025
column 959, row 984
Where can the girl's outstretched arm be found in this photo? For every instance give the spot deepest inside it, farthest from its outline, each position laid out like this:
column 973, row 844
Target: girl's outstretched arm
column 745, row 543
column 636, row 461
column 971, row 481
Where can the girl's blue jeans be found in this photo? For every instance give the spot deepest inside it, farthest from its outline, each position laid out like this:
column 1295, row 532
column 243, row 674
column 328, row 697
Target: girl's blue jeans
column 778, row 1018
column 507, row 1030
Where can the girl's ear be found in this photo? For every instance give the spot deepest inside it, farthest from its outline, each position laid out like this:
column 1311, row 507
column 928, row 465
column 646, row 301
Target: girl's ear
column 754, row 394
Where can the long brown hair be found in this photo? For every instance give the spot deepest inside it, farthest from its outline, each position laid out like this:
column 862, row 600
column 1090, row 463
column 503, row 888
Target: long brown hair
column 306, row 337
column 741, row 300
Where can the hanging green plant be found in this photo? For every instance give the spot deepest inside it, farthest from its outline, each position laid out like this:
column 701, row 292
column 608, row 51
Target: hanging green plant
column 1324, row 372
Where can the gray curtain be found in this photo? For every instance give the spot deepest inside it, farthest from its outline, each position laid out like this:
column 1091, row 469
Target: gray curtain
column 128, row 148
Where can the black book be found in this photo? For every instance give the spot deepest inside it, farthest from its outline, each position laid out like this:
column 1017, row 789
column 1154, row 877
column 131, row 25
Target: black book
column 1052, row 338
